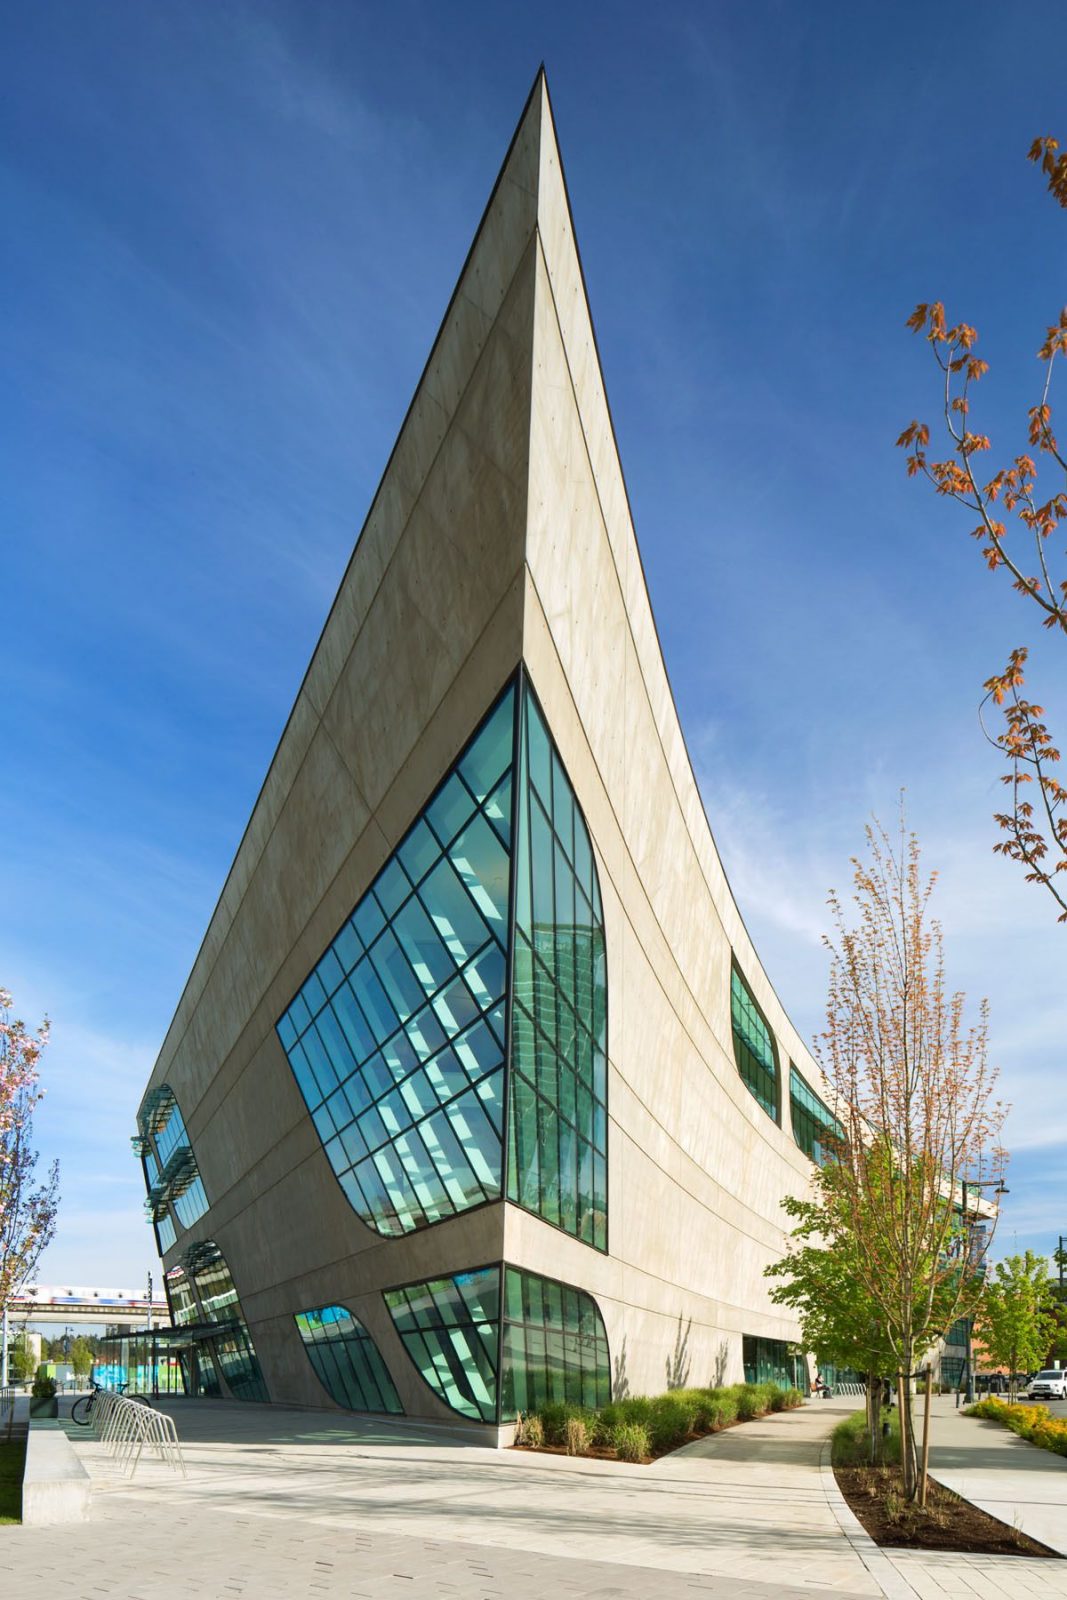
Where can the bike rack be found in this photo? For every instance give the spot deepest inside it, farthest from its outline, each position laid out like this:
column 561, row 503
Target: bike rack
column 124, row 1428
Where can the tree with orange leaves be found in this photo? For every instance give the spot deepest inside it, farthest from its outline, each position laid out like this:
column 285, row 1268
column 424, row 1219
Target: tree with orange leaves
column 916, row 1099
column 1035, row 828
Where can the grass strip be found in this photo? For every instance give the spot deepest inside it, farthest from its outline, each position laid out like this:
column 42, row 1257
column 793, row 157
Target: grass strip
column 12, row 1462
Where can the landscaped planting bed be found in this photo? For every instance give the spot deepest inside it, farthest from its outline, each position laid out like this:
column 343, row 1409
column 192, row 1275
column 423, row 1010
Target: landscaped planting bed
column 1033, row 1422
column 947, row 1522
column 645, row 1427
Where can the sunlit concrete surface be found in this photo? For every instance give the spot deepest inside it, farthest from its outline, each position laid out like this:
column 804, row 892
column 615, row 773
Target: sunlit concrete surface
column 284, row 1501
column 1013, row 1480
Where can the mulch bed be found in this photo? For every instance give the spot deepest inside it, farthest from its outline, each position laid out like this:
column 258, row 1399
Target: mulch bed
column 597, row 1451
column 602, row 1453
column 948, row 1523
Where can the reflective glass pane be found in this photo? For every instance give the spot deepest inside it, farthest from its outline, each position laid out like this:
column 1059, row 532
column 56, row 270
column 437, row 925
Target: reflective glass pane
column 754, row 1049
column 554, row 1345
column 558, row 1143
column 815, row 1128
column 447, row 1343
column 552, row 1341
column 346, row 1360
column 176, row 1197
column 232, row 1349
column 398, row 1043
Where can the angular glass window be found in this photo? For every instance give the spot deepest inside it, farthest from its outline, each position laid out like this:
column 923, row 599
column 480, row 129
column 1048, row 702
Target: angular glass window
column 754, row 1048
column 488, row 1355
column 450, row 1329
column 346, row 1360
column 554, row 1346
column 232, row 1347
column 557, row 1143
column 815, row 1128
column 176, row 1197
column 396, row 1040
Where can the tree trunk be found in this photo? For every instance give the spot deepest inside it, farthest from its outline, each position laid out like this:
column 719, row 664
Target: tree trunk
column 874, row 1416
column 909, row 1460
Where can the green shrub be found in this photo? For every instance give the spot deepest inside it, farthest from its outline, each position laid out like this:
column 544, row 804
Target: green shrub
column 576, row 1436
column 749, row 1403
column 792, row 1398
column 555, row 1417
column 725, row 1408
column 637, row 1409
column 850, row 1443
column 604, row 1422
column 632, row 1442
column 703, row 1403
column 671, row 1420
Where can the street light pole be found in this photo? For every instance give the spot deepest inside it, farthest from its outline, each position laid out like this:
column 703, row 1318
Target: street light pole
column 1000, row 1188
column 969, row 1393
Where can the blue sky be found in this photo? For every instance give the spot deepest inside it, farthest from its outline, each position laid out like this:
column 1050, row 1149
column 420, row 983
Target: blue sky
column 229, row 232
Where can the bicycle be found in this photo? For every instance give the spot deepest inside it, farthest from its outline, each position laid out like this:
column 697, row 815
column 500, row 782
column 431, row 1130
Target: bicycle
column 82, row 1410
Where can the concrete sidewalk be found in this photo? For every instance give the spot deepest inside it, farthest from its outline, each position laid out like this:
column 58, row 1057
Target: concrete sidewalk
column 341, row 1506
column 281, row 1502
column 1014, row 1481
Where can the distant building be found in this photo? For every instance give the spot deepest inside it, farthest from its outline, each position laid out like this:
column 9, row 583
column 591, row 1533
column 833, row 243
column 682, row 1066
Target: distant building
column 478, row 1093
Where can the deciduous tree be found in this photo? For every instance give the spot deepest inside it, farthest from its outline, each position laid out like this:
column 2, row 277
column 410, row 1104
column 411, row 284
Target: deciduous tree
column 820, row 1281
column 915, row 1096
column 27, row 1209
column 1035, row 824
column 22, row 1362
column 81, row 1357
column 1015, row 1320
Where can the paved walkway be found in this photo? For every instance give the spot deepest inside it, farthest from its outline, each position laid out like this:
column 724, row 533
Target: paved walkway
column 1011, row 1479
column 309, row 1503
column 281, row 1502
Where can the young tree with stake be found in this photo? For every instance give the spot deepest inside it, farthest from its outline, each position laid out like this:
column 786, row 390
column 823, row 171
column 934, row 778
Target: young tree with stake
column 915, row 1097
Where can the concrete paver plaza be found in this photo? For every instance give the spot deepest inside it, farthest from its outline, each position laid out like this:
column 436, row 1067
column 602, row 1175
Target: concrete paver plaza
column 282, row 1502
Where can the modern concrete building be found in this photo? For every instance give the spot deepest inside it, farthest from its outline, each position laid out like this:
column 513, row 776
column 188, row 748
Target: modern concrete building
column 478, row 1092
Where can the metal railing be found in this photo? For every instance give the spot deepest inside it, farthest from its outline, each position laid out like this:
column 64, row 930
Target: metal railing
column 125, row 1428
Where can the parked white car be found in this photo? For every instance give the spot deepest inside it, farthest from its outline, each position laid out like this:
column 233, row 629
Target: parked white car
column 1051, row 1384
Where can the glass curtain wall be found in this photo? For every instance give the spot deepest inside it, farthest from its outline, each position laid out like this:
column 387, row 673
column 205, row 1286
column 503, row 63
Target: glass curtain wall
column 754, row 1048
column 231, row 1347
column 346, row 1360
column 773, row 1361
column 488, row 1356
column 558, row 1135
column 198, row 1369
column 397, row 1038
column 815, row 1128
column 176, row 1196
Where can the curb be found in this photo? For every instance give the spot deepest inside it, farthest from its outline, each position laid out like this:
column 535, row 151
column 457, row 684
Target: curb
column 890, row 1580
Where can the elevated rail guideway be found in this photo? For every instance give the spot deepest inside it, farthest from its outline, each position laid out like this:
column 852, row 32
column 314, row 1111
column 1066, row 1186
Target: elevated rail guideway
column 127, row 1308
